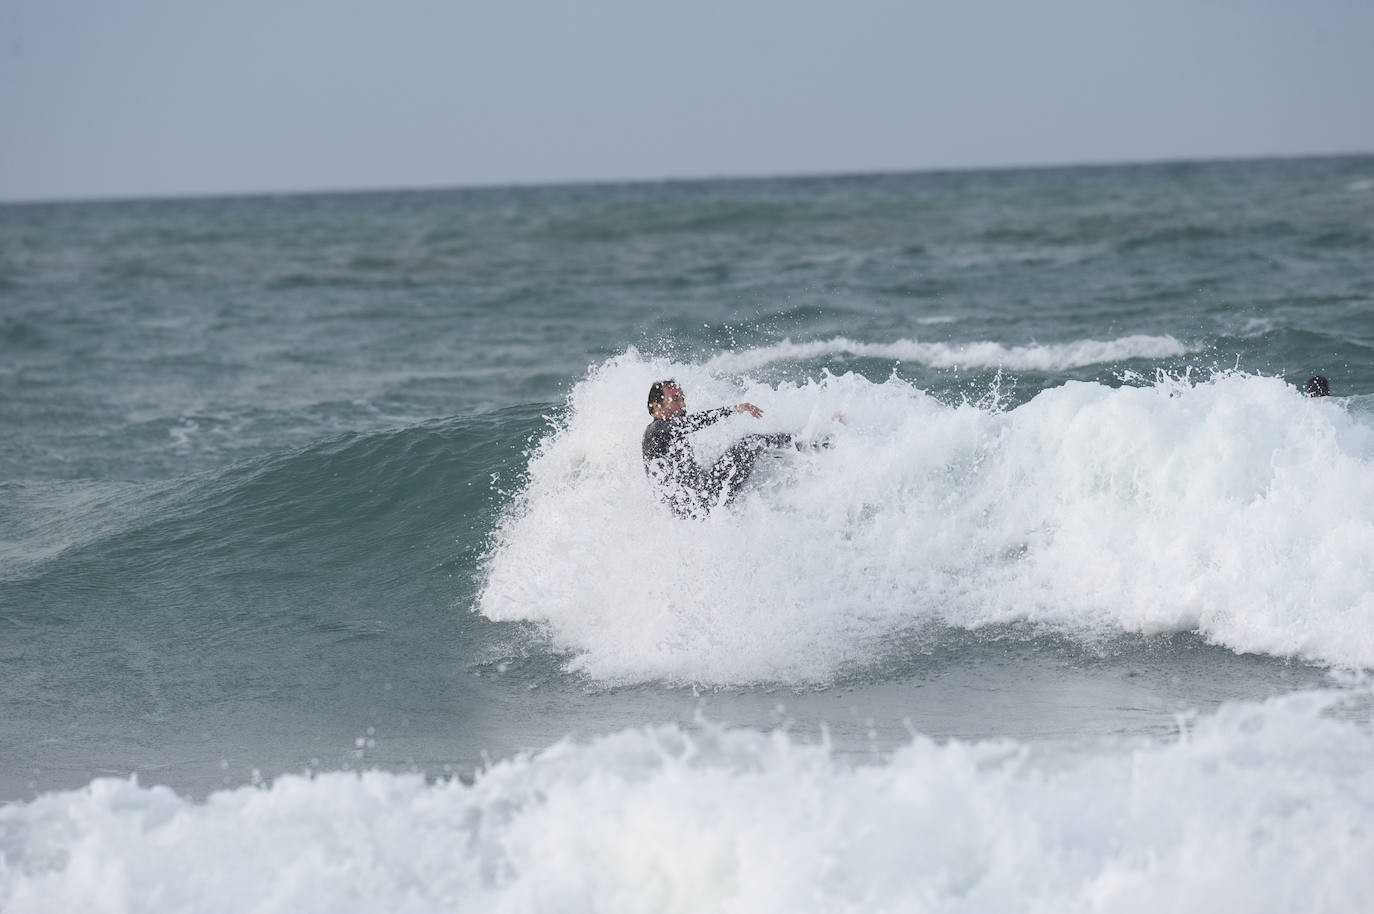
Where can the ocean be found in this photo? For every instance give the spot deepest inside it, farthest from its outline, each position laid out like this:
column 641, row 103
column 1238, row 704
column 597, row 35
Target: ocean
column 330, row 578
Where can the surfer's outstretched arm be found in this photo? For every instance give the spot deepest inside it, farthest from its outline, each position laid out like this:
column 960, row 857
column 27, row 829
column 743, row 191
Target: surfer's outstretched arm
column 707, row 417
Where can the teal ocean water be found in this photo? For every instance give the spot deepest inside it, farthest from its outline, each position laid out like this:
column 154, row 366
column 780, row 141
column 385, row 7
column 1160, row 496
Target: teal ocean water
column 330, row 578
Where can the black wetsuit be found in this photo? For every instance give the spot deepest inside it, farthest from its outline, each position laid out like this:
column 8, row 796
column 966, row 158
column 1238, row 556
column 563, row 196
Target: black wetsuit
column 691, row 490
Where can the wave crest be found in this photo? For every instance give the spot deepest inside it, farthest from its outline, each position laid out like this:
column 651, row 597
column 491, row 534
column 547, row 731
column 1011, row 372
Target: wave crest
column 1046, row 357
column 1232, row 507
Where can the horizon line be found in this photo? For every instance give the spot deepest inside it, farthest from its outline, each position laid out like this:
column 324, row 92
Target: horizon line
column 498, row 185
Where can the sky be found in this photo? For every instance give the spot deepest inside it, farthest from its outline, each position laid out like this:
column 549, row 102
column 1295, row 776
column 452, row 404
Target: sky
column 135, row 98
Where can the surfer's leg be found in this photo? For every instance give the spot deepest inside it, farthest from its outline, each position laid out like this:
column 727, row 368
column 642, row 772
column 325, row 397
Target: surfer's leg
column 729, row 474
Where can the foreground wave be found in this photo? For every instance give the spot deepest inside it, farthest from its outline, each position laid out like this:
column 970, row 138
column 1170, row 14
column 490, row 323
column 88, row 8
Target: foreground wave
column 1259, row 807
column 1230, row 506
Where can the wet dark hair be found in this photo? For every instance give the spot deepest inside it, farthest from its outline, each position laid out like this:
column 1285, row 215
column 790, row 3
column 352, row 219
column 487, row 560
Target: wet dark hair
column 1317, row 386
column 656, row 392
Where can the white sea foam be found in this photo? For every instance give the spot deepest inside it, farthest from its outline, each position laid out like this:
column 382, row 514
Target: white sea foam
column 1035, row 357
column 1231, row 506
column 1257, row 808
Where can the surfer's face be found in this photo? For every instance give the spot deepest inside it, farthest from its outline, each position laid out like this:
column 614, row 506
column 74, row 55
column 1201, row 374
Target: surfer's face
column 674, row 403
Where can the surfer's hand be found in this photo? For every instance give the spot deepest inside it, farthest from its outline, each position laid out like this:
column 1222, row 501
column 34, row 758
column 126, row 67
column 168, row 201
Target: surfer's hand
column 749, row 408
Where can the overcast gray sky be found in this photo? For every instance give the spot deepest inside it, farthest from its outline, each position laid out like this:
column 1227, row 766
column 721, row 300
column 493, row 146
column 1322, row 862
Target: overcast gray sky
column 103, row 98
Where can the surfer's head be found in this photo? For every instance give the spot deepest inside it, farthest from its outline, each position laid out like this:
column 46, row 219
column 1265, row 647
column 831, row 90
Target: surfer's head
column 666, row 399
column 1317, row 386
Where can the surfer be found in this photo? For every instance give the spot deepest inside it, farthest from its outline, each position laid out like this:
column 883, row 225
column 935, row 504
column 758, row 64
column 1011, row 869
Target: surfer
column 691, row 490
column 1317, row 386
